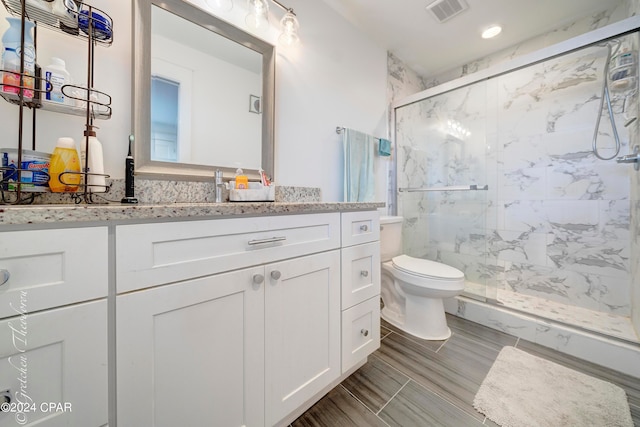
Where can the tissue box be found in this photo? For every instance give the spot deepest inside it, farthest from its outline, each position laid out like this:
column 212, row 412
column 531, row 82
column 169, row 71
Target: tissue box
column 255, row 193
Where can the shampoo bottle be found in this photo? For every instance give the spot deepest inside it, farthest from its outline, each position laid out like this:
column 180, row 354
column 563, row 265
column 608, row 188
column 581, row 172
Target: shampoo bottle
column 64, row 159
column 92, row 162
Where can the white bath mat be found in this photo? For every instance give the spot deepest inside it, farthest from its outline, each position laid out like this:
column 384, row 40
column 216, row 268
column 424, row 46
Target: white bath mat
column 523, row 390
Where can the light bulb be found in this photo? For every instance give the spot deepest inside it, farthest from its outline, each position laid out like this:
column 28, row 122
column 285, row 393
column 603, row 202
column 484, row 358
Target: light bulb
column 491, row 32
column 222, row 5
column 289, row 24
column 258, row 16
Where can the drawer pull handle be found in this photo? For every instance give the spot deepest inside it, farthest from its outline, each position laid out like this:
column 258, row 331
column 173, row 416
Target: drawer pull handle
column 275, row 275
column 265, row 241
column 4, row 276
column 364, row 273
column 364, row 332
column 364, row 228
column 258, row 278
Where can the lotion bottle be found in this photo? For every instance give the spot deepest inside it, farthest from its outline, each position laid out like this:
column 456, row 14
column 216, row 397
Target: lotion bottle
column 92, row 162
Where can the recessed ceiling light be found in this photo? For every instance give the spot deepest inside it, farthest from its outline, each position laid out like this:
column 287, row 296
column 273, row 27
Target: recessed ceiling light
column 491, row 32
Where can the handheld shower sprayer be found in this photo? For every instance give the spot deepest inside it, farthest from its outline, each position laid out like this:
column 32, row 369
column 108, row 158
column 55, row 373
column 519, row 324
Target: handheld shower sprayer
column 605, row 96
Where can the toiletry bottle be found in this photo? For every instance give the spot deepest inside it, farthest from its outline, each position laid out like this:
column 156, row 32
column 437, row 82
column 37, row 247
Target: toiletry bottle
column 67, row 13
column 92, row 162
column 33, row 7
column 11, row 58
column 56, row 76
column 64, row 159
column 242, row 181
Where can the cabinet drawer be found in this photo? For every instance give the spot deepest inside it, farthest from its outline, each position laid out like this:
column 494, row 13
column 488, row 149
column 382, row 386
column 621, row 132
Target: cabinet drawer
column 360, row 332
column 360, row 273
column 154, row 254
column 51, row 268
column 360, row 227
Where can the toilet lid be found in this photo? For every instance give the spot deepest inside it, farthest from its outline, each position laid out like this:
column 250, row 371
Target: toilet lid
column 426, row 268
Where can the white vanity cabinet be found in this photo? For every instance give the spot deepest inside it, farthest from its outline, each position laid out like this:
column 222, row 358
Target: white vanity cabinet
column 302, row 331
column 360, row 286
column 197, row 345
column 191, row 353
column 53, row 327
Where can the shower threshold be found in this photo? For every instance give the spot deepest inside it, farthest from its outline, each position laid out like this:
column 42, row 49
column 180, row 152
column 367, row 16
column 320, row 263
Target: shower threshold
column 610, row 325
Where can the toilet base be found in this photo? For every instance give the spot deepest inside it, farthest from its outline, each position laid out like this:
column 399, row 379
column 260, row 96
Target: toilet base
column 424, row 318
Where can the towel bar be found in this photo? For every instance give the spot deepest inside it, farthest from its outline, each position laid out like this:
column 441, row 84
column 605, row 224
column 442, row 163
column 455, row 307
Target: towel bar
column 473, row 187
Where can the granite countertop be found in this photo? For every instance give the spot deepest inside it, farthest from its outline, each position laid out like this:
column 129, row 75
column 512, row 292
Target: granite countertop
column 68, row 213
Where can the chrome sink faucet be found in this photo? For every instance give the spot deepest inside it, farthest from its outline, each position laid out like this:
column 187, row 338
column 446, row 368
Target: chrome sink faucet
column 219, row 186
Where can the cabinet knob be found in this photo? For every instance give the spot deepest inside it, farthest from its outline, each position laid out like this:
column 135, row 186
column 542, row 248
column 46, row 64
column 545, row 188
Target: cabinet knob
column 364, row 332
column 275, row 275
column 364, row 273
column 4, row 276
column 258, row 278
column 364, row 228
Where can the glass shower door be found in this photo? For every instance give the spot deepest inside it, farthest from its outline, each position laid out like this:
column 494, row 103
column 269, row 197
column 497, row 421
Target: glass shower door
column 444, row 193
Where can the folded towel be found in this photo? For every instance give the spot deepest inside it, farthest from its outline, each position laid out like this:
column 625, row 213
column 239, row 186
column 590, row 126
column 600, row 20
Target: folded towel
column 384, row 147
column 359, row 184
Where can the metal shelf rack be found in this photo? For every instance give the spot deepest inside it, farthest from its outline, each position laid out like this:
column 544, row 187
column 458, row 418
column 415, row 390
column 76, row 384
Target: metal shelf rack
column 88, row 23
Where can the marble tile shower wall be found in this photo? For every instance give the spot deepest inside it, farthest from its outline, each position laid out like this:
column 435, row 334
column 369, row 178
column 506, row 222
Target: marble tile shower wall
column 555, row 222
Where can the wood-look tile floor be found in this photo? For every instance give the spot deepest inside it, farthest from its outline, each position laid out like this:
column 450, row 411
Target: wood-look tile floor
column 412, row 382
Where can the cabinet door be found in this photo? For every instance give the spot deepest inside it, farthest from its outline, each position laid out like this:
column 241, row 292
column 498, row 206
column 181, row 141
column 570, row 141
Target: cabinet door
column 192, row 353
column 302, row 330
column 56, row 362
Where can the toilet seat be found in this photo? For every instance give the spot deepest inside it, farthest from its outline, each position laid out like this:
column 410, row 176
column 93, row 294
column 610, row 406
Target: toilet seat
column 426, row 268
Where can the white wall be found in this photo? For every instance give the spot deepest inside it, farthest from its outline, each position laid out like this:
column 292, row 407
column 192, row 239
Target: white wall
column 337, row 77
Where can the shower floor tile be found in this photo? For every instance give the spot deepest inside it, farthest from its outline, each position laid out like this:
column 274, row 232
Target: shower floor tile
column 605, row 323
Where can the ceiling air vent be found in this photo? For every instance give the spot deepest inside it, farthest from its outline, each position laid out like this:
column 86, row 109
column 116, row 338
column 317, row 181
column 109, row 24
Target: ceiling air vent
column 444, row 10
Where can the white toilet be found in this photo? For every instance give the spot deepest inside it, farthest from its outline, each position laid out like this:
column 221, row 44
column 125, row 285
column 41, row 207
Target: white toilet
column 412, row 289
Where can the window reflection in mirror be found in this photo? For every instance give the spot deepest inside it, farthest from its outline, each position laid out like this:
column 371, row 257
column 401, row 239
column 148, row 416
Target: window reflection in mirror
column 202, row 84
column 164, row 124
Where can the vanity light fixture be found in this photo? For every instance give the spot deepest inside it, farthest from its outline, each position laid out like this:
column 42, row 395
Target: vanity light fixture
column 222, row 5
column 258, row 16
column 289, row 25
column 491, row 32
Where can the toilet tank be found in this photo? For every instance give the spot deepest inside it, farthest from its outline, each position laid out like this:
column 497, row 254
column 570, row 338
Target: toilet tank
column 390, row 237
